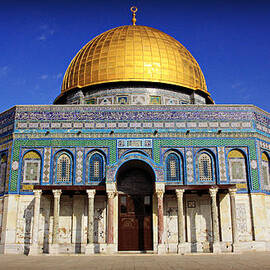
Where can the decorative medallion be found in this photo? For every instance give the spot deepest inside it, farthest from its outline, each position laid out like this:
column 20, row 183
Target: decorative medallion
column 122, row 100
column 155, row 100
column 191, row 204
column 253, row 164
column 171, row 101
column 105, row 101
column 15, row 165
column 138, row 100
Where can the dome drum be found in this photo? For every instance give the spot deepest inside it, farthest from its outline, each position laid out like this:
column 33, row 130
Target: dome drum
column 133, row 93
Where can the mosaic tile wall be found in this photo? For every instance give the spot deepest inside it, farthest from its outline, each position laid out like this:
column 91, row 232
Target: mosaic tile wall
column 6, row 148
column 140, row 95
column 191, row 112
column 262, row 147
column 7, row 122
column 71, row 119
column 148, row 129
column 23, row 145
column 189, row 147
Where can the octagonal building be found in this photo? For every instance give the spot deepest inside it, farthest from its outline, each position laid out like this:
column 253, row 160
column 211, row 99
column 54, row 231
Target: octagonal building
column 134, row 156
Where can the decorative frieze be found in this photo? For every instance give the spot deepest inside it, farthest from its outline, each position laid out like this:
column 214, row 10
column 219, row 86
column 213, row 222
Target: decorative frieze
column 134, row 143
column 137, row 124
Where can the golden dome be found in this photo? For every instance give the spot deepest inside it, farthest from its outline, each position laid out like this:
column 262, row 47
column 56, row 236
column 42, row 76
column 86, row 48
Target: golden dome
column 134, row 53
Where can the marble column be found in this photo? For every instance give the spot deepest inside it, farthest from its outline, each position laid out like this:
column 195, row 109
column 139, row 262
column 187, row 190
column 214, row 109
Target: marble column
column 90, row 228
column 161, row 246
column 34, row 249
column 56, row 210
column 180, row 218
column 213, row 194
column 110, row 227
column 235, row 238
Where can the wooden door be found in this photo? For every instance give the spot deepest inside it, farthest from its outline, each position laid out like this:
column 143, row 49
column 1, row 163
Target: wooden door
column 135, row 223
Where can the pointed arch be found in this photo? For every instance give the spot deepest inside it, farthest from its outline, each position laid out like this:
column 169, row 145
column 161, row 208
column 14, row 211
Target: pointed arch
column 31, row 167
column 173, row 167
column 64, row 167
column 3, row 171
column 95, row 167
column 265, row 169
column 206, row 171
column 237, row 166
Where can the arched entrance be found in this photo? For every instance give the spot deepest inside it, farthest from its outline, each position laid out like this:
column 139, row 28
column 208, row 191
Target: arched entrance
column 135, row 180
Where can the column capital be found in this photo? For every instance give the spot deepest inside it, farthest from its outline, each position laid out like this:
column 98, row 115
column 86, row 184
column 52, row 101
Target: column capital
column 57, row 193
column 110, row 187
column 160, row 194
column 111, row 194
column 159, row 187
column 179, row 193
column 232, row 191
column 37, row 193
column 213, row 191
column 91, row 193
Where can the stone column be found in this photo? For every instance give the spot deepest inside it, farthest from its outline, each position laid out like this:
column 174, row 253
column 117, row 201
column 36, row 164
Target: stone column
column 34, row 249
column 235, row 238
column 90, row 228
column 110, row 227
column 180, row 209
column 56, row 210
column 161, row 246
column 213, row 195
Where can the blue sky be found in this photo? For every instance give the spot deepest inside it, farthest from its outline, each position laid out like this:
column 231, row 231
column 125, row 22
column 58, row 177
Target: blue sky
column 229, row 39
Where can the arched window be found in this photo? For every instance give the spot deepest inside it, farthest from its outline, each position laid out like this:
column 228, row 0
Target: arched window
column 173, row 165
column 96, row 168
column 3, row 167
column 31, row 167
column 205, row 167
column 63, row 168
column 237, row 166
column 265, row 169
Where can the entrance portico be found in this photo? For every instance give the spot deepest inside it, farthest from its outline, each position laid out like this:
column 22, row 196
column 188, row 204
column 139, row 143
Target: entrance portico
column 137, row 213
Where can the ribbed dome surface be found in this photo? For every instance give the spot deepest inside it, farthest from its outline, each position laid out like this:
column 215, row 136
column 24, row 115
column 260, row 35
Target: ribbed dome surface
column 134, row 53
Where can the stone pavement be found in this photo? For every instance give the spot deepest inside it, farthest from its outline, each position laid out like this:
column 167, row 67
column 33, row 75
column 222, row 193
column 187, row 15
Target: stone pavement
column 250, row 260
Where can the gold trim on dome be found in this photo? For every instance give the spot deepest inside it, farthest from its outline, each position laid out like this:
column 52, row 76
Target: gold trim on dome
column 134, row 53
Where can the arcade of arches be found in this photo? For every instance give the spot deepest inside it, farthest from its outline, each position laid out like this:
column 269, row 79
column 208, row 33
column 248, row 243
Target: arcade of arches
column 142, row 215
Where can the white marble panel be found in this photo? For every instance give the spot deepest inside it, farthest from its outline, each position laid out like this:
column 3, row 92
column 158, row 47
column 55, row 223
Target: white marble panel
column 65, row 219
column 171, row 220
column 243, row 217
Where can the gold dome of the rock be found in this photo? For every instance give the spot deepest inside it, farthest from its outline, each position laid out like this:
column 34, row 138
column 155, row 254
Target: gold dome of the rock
column 134, row 53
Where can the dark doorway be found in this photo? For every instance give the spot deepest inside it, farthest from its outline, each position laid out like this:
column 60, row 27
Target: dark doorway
column 135, row 185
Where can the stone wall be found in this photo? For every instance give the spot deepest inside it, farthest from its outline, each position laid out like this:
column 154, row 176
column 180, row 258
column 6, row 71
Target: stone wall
column 267, row 206
column 1, row 215
column 171, row 223
column 72, row 224
column 197, row 221
column 243, row 217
